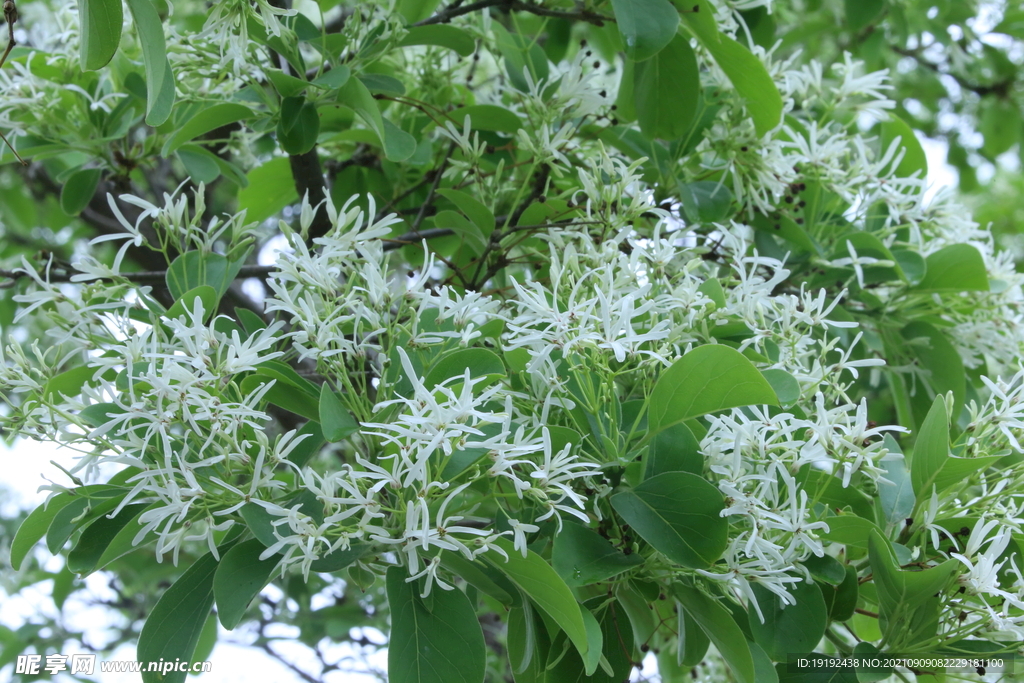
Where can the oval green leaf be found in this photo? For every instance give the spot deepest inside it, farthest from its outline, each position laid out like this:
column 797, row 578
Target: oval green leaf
column 432, row 641
column 172, row 630
column 679, row 514
column 239, row 578
column 708, row 378
column 646, row 26
column 337, row 423
column 666, row 91
column 100, row 31
column 79, row 189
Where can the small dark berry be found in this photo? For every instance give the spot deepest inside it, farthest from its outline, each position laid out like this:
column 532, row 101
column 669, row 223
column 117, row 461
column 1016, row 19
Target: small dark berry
column 645, row 647
column 908, row 521
column 597, row 64
column 964, row 531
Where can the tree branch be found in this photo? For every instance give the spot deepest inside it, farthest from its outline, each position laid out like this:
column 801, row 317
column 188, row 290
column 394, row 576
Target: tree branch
column 457, row 9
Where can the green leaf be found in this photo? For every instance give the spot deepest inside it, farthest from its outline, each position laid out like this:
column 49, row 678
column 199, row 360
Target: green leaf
column 38, row 521
column 239, row 578
column 335, row 78
column 937, row 355
column 187, row 302
column 908, row 606
column 666, row 91
column 194, row 269
column 271, row 188
column 284, row 395
column 646, row 26
column 381, row 83
column 159, row 76
column 100, row 31
column 678, row 514
column 473, row 208
column 337, row 423
column 260, row 523
column 99, row 535
column 440, row 35
column 750, row 78
column 398, row 145
column 789, row 628
column 582, row 557
column 849, row 530
column 931, row 450
column 522, row 55
column 68, row 383
column 298, row 126
column 479, row 362
column 172, row 630
column 914, row 159
column 435, row 641
column 480, row 576
column 199, row 162
column 205, row 121
column 862, row 13
column 486, row 117
column 286, row 84
column 897, row 498
column 784, row 385
column 539, row 581
column 705, row 201
column 841, row 600
column 675, row 449
column 958, row 268
column 826, row 568
column 339, row 559
column 708, row 378
column 470, row 235
column 78, row 513
column 718, row 624
column 79, row 189
column 124, row 541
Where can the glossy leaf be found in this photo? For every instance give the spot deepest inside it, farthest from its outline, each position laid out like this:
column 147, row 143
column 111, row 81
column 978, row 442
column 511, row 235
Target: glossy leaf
column 666, row 89
column 79, row 189
column 914, row 162
column 646, row 26
column 99, row 535
column 335, row 420
column 239, row 578
column 160, row 89
column 298, row 126
column 908, row 606
column 708, row 378
column 205, row 121
column 486, row 117
column 896, row 497
column 38, row 521
column 958, row 268
column 271, row 188
column 720, row 627
column 100, row 35
column 788, row 628
column 442, row 35
column 582, row 557
column 435, row 641
column 747, row 74
column 679, row 514
column 674, row 449
column 539, row 581
column 173, row 627
column 849, row 530
column 479, row 363
column 931, row 450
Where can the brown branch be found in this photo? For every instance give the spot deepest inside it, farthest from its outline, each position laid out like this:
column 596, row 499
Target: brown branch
column 999, row 88
column 457, row 9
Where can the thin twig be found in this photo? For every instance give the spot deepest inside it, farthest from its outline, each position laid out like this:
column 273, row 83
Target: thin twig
column 456, row 9
column 11, row 15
